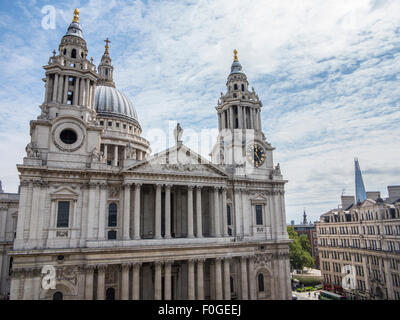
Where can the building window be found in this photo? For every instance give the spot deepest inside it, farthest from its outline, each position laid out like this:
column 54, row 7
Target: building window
column 110, row 124
column 73, row 54
column 229, row 217
column 235, row 87
column 58, row 296
column 112, row 215
column 10, row 266
column 259, row 217
column 117, row 124
column 110, row 294
column 242, row 87
column 112, row 235
column 63, row 214
column 261, row 282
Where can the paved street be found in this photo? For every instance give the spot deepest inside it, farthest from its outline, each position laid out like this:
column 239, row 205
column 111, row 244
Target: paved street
column 304, row 295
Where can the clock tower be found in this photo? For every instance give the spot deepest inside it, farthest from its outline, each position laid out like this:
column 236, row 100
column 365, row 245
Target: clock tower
column 241, row 144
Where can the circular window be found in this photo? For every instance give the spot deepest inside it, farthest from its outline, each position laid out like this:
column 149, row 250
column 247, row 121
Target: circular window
column 68, row 136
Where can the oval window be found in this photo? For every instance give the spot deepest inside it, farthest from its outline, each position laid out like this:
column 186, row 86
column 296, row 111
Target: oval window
column 68, row 136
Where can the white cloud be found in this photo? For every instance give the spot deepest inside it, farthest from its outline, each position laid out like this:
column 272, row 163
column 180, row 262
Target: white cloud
column 326, row 71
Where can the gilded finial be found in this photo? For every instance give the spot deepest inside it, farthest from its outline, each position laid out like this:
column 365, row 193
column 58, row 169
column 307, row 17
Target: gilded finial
column 107, row 41
column 76, row 16
column 235, row 52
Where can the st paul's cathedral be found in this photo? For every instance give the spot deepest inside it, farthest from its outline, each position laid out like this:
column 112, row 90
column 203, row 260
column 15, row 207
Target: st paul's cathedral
column 114, row 221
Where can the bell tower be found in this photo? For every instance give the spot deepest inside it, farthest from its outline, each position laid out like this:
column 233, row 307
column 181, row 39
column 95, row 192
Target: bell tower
column 241, row 144
column 106, row 70
column 68, row 115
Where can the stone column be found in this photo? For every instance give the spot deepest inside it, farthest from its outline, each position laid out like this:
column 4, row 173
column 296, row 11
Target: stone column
column 191, row 284
column 89, row 270
column 102, row 211
column 115, row 156
column 167, row 211
column 81, row 92
column 76, row 92
column 190, row 211
column 101, row 281
column 240, row 117
column 227, row 279
column 167, row 280
column 200, row 279
column 158, row 212
column 252, row 279
column 136, row 281
column 127, row 203
column 136, row 222
column 243, row 277
column 93, row 188
column 92, row 94
column 60, row 89
column 217, row 227
column 34, row 211
column 47, row 86
column 157, row 281
column 199, row 213
column 65, row 95
column 224, row 213
column 87, row 92
column 22, row 210
column 218, row 279
column 232, row 118
column 125, row 281
column 212, row 279
column 105, row 152
column 55, row 87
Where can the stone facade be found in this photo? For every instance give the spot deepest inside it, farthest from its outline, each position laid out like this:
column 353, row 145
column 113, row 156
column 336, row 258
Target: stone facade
column 365, row 236
column 8, row 226
column 117, row 223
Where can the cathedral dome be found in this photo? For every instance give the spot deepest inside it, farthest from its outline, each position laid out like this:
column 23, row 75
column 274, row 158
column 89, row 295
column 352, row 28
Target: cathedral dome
column 110, row 101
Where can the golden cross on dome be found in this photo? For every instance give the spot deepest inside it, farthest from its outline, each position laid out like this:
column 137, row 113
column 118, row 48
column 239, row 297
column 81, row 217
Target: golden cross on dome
column 107, row 41
column 235, row 52
column 76, row 16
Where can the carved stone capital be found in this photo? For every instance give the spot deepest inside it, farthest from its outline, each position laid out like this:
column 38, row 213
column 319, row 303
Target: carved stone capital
column 137, row 265
column 101, row 267
column 126, row 265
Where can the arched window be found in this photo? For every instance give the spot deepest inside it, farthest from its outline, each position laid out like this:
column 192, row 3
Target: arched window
column 112, row 235
column 235, row 87
column 242, row 87
column 73, row 54
column 112, row 215
column 110, row 294
column 261, row 282
column 58, row 296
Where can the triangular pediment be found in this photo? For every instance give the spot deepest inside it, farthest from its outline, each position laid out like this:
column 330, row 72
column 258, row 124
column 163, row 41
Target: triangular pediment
column 259, row 197
column 368, row 203
column 178, row 160
column 65, row 193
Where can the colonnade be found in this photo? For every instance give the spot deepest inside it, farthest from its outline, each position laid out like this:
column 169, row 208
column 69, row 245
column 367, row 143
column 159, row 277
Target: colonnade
column 58, row 86
column 248, row 118
column 220, row 279
column 191, row 220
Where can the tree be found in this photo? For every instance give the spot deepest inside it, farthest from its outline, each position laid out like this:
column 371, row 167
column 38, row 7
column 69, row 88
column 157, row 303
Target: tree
column 300, row 251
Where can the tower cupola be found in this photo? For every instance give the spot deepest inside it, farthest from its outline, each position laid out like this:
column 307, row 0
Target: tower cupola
column 106, row 70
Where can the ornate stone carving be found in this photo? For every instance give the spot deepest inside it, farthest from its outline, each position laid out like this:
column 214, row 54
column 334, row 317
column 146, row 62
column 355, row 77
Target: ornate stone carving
column 262, row 259
column 32, row 151
column 68, row 273
column 114, row 192
column 96, row 156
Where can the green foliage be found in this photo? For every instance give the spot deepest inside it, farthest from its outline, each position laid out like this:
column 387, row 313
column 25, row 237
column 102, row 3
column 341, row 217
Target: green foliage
column 309, row 281
column 300, row 251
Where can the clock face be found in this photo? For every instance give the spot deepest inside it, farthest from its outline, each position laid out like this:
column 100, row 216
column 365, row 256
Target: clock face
column 256, row 154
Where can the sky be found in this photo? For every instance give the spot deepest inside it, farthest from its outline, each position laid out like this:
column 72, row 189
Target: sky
column 326, row 71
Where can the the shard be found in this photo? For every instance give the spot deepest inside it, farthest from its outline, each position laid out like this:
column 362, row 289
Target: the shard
column 360, row 189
